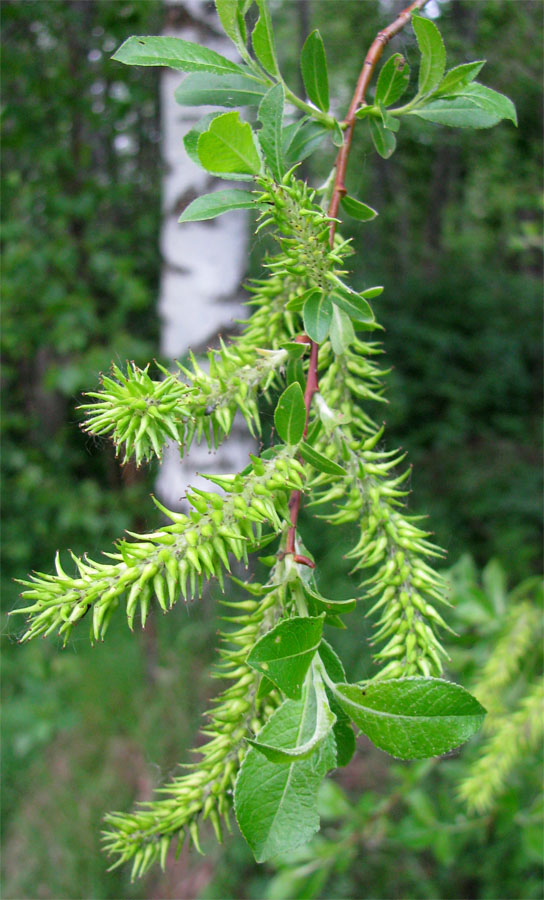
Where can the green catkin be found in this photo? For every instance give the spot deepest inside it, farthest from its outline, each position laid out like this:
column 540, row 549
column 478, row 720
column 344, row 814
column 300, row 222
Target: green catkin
column 205, row 791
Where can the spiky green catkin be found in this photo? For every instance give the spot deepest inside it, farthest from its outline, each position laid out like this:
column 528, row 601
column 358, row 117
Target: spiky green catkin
column 205, row 792
column 403, row 586
column 171, row 562
column 514, row 735
column 521, row 625
column 141, row 414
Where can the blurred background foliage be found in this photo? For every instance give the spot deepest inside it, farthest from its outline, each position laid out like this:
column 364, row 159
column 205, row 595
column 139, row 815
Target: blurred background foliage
column 458, row 248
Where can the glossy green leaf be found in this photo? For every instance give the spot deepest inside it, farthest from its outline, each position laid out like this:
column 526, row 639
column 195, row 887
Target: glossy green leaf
column 337, row 134
column 290, row 415
column 276, row 805
column 300, row 139
column 392, row 80
column 355, row 305
column 263, row 40
column 433, row 54
column 457, row 78
column 211, row 205
column 270, row 136
column 202, row 89
column 383, row 139
column 313, row 65
column 459, row 112
column 190, row 140
column 228, row 146
column 323, row 723
column 412, row 718
column 342, row 729
column 294, row 349
column 317, row 315
column 175, row 53
column 342, row 333
column 320, row 462
column 358, row 210
column 285, row 653
column 491, row 101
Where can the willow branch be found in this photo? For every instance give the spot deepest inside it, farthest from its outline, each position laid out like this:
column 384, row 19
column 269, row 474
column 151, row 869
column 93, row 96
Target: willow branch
column 339, row 190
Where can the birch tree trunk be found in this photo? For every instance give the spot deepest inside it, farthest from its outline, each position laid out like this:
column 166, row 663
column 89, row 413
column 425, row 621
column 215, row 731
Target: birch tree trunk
column 203, row 263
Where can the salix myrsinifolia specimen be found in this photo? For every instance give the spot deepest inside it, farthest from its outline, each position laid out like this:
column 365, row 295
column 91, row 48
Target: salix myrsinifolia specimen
column 286, row 717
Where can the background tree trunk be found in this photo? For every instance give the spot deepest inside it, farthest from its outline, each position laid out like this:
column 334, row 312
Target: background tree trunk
column 203, row 263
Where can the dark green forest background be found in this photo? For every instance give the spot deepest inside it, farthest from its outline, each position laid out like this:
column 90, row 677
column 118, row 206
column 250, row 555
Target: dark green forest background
column 457, row 246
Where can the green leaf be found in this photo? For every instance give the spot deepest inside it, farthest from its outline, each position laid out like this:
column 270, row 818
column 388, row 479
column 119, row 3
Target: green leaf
column 290, row 414
column 342, row 331
column 190, row 140
column 458, row 77
column 211, row 205
column 276, row 805
column 324, row 605
column 355, row 305
column 201, row 89
column 300, row 139
column 317, row 315
column 358, row 210
column 295, row 372
column 433, row 54
column 270, row 136
column 389, row 121
column 175, row 53
column 320, row 462
column 294, row 349
column 232, row 20
column 384, row 140
column 263, row 40
column 459, row 112
column 342, row 729
column 392, row 80
column 228, row 146
column 337, row 135
column 296, row 303
column 412, row 718
column 491, row 101
column 324, row 721
column 313, row 65
column 285, row 653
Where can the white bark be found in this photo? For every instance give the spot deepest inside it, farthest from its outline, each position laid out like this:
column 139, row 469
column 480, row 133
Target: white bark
column 203, row 262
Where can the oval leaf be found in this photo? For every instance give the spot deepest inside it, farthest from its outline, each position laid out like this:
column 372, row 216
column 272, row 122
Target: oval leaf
column 392, row 80
column 384, row 140
column 358, row 210
column 276, row 806
column 313, row 65
column 412, row 718
column 211, row 205
column 173, row 52
column 285, row 653
column 342, row 331
column 433, row 54
column 202, row 89
column 300, row 139
column 317, row 315
column 355, row 305
column 491, row 101
column 229, row 146
column 290, row 414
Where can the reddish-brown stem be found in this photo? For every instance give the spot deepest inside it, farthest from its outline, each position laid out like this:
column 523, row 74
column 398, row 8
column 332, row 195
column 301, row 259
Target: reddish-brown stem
column 376, row 49
column 339, row 190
